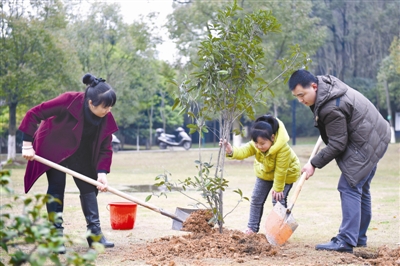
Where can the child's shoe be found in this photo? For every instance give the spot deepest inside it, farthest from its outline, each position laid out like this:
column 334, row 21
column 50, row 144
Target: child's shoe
column 248, row 231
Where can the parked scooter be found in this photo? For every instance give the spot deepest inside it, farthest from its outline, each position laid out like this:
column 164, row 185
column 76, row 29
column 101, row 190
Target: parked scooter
column 116, row 143
column 169, row 140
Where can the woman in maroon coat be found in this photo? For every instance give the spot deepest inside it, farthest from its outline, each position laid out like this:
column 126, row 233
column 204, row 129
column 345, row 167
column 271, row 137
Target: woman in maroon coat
column 74, row 130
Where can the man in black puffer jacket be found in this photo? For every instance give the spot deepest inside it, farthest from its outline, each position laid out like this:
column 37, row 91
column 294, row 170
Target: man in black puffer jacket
column 356, row 136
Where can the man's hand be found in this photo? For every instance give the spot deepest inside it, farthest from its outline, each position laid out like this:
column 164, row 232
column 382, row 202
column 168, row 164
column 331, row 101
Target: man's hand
column 308, row 169
column 102, row 178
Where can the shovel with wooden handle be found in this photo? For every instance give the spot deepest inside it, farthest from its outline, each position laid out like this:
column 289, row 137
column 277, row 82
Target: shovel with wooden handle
column 280, row 223
column 177, row 220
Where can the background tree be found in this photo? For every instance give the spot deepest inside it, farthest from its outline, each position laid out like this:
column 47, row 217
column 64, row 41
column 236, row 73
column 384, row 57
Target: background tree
column 34, row 61
column 124, row 54
column 187, row 25
column 139, row 82
column 296, row 23
column 167, row 92
column 359, row 36
column 389, row 82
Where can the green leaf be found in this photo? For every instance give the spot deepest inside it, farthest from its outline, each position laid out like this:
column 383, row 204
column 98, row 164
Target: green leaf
column 173, row 82
column 148, row 198
column 176, row 103
column 191, row 126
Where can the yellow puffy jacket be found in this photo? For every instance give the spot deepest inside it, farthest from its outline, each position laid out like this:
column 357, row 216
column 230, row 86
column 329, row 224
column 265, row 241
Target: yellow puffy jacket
column 279, row 164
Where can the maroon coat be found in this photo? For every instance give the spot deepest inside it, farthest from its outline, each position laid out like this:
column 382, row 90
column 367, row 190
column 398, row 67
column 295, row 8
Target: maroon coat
column 59, row 134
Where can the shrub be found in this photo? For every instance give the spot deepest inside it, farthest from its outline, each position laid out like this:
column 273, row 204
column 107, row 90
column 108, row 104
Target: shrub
column 31, row 237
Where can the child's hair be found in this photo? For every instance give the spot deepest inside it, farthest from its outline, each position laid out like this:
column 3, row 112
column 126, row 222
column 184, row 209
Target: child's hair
column 265, row 126
column 99, row 91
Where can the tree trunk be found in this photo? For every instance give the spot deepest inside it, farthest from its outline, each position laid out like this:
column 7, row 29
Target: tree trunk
column 355, row 45
column 214, row 135
column 150, row 128
column 11, row 149
column 162, row 110
column 343, row 44
column 225, row 129
column 389, row 109
column 137, row 139
column 275, row 109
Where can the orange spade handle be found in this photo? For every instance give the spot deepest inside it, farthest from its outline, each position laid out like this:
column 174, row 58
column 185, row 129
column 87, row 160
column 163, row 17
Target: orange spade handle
column 303, row 176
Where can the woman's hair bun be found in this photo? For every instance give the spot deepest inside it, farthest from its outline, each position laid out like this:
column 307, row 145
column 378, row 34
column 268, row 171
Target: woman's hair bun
column 88, row 79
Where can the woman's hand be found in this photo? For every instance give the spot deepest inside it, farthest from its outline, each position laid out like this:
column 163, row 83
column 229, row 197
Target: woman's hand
column 278, row 196
column 102, row 178
column 227, row 145
column 27, row 150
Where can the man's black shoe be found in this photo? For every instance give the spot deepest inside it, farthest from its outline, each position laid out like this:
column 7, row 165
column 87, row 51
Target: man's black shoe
column 336, row 244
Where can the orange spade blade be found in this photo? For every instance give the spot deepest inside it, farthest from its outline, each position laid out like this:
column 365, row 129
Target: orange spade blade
column 279, row 225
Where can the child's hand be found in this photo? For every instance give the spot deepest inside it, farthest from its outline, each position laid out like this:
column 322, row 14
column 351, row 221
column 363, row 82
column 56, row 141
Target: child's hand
column 228, row 147
column 278, row 196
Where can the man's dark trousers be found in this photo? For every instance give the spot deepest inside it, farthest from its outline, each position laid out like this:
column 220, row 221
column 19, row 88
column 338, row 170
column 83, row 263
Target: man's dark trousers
column 356, row 210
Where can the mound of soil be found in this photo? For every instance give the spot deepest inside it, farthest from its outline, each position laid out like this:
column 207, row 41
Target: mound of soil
column 204, row 241
column 228, row 244
column 198, row 222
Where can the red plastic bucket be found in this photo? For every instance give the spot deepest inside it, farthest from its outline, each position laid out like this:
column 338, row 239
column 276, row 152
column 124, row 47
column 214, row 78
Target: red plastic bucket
column 122, row 215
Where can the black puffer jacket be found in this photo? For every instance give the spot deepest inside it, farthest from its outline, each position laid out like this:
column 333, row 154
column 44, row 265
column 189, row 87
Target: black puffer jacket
column 354, row 131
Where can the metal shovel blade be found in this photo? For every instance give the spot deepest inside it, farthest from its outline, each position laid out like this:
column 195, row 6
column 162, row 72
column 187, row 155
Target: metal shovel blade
column 183, row 214
column 280, row 225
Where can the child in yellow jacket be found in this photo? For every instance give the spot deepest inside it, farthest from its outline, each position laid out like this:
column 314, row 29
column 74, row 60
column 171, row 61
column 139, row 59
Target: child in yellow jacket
column 276, row 166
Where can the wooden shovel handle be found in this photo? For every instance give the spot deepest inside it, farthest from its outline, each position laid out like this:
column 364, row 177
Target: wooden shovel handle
column 110, row 189
column 304, row 175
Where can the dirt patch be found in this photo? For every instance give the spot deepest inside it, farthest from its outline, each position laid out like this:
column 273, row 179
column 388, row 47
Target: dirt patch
column 235, row 248
column 384, row 256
